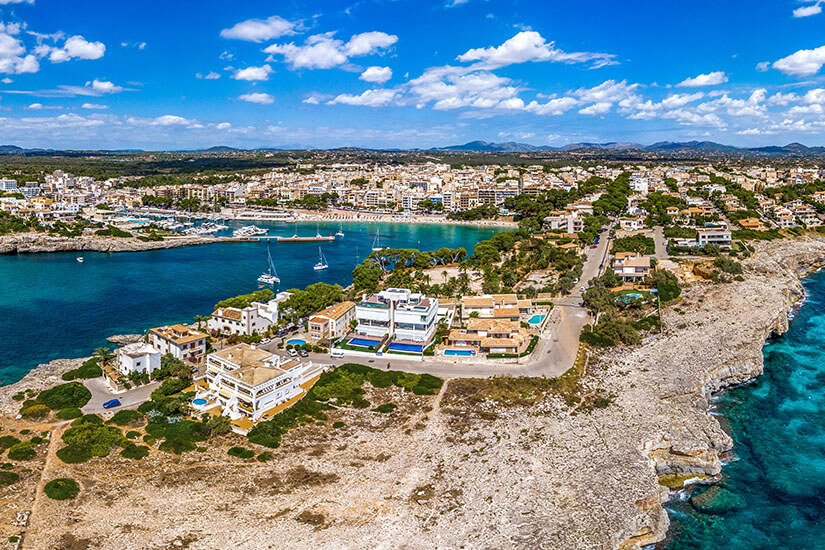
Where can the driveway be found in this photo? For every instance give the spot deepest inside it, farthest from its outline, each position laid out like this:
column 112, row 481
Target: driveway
column 128, row 400
column 661, row 242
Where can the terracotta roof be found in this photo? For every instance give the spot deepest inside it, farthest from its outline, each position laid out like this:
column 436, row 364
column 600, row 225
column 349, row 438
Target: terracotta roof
column 506, row 312
column 228, row 313
column 477, row 301
column 178, row 334
column 336, row 311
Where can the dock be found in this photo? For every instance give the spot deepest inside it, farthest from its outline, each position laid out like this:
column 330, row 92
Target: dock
column 297, row 239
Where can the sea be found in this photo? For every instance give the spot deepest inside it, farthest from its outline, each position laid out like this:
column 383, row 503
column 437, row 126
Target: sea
column 53, row 307
column 775, row 481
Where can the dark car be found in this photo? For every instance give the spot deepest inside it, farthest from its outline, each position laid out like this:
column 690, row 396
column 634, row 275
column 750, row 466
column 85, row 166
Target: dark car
column 111, row 403
column 303, row 353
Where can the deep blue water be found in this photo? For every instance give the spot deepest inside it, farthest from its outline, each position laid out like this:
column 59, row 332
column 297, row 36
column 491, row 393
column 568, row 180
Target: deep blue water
column 778, row 425
column 53, row 307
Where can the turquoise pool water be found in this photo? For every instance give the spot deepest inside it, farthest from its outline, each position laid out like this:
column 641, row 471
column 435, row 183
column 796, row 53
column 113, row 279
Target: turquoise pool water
column 363, row 342
column 296, row 342
column 53, row 307
column 199, row 402
column 414, row 348
column 776, row 484
column 536, row 319
column 460, row 352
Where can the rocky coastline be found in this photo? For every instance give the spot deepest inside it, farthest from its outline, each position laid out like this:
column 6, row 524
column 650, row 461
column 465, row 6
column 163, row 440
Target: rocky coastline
column 469, row 472
column 33, row 243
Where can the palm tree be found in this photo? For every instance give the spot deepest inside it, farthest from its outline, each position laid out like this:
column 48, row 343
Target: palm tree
column 199, row 320
column 444, row 274
column 102, row 355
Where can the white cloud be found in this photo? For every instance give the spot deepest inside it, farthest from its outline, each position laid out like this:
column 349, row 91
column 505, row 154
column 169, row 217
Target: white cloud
column 76, row 47
column 257, row 97
column 253, row 73
column 104, row 86
column 709, row 79
column 94, row 106
column 807, row 11
column 171, row 120
column 600, row 108
column 13, row 58
column 376, row 74
column 554, row 107
column 7, row 2
column 311, row 100
column 370, row 98
column 323, row 51
column 783, row 99
column 211, row 75
column 259, row 30
column 35, row 106
column 7, row 80
column 763, row 66
column 802, row 63
column 753, row 132
column 223, row 126
column 529, row 46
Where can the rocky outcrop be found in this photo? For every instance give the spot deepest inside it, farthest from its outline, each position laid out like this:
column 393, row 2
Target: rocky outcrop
column 123, row 339
column 32, row 243
column 44, row 376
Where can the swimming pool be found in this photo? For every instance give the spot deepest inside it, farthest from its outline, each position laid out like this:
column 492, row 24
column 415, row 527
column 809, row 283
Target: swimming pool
column 363, row 342
column 199, row 402
column 460, row 352
column 537, row 319
column 296, row 342
column 397, row 346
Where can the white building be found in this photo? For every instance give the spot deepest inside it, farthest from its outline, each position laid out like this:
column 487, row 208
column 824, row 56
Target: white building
column 8, row 185
column 181, row 341
column 631, row 266
column 138, row 357
column 254, row 318
column 397, row 313
column 247, row 381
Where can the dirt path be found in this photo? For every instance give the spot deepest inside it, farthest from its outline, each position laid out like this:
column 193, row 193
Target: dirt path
column 45, row 476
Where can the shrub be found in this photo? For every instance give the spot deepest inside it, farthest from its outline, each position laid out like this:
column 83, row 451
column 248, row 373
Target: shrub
column 8, row 478
column 338, row 424
column 69, row 414
column 136, row 452
column 132, row 434
column 265, row 456
column 64, row 396
column 388, row 407
column 88, row 419
column 89, row 369
column 36, row 411
column 85, row 440
column 61, row 488
column 7, row 441
column 240, row 452
column 22, row 451
column 178, row 437
column 728, row 265
column 124, row 417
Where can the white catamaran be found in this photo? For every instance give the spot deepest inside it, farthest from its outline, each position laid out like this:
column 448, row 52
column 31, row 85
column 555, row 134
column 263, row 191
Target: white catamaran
column 340, row 232
column 322, row 262
column 270, row 277
column 376, row 244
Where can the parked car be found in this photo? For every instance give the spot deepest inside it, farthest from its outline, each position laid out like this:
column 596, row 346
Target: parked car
column 594, row 246
column 111, row 403
column 337, row 353
column 303, row 353
column 265, row 341
column 292, row 352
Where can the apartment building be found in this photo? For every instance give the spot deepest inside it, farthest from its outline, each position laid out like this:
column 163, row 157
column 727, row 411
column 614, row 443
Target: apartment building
column 489, row 335
column 247, row 381
column 254, row 318
column 569, row 222
column 399, row 314
column 332, row 322
column 719, row 237
column 181, row 341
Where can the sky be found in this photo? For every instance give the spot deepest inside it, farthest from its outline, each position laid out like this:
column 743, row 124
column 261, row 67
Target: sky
column 187, row 74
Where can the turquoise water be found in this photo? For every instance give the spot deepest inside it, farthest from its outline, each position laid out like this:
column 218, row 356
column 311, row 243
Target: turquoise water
column 460, row 352
column 778, row 425
column 296, row 342
column 536, row 319
column 53, row 307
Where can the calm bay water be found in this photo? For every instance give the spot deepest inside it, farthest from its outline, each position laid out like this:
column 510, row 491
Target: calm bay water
column 53, row 307
column 777, row 482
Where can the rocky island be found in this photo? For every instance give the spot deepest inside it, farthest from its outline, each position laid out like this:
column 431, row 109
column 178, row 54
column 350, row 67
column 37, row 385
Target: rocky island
column 581, row 462
column 32, row 242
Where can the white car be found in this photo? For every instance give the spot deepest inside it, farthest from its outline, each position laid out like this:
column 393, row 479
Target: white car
column 265, row 341
column 336, row 353
column 292, row 352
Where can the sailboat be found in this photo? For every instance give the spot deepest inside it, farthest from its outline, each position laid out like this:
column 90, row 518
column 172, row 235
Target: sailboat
column 270, row 277
column 340, row 232
column 322, row 262
column 376, row 244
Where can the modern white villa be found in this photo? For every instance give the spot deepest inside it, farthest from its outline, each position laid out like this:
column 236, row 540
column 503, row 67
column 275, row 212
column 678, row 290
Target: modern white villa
column 254, row 318
column 247, row 382
column 397, row 313
column 137, row 357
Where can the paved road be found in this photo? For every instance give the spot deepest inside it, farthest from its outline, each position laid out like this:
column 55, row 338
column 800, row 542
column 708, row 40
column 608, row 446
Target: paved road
column 661, row 242
column 128, row 400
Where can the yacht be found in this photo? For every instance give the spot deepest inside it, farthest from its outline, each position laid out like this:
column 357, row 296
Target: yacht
column 270, row 277
column 322, row 262
column 249, row 231
column 80, row 259
column 340, row 232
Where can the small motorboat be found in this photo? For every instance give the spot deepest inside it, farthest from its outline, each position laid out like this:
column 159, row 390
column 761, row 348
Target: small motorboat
column 79, row 259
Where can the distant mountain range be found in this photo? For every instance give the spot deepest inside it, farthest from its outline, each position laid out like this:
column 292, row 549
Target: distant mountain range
column 662, row 147
column 667, row 148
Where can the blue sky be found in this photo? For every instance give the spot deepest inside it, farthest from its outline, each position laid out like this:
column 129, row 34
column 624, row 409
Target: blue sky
column 162, row 74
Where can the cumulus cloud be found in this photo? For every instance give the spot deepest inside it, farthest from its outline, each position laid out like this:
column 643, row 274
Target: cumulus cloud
column 324, row 51
column 600, row 108
column 13, row 57
column 807, row 11
column 76, row 47
column 253, row 73
column 530, row 46
column 802, row 62
column 259, row 30
column 763, row 66
column 104, row 87
column 223, row 126
column 311, row 100
column 554, row 107
column 376, row 74
column 370, row 98
column 211, row 75
column 35, row 106
column 257, row 97
column 709, row 79
column 94, row 106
